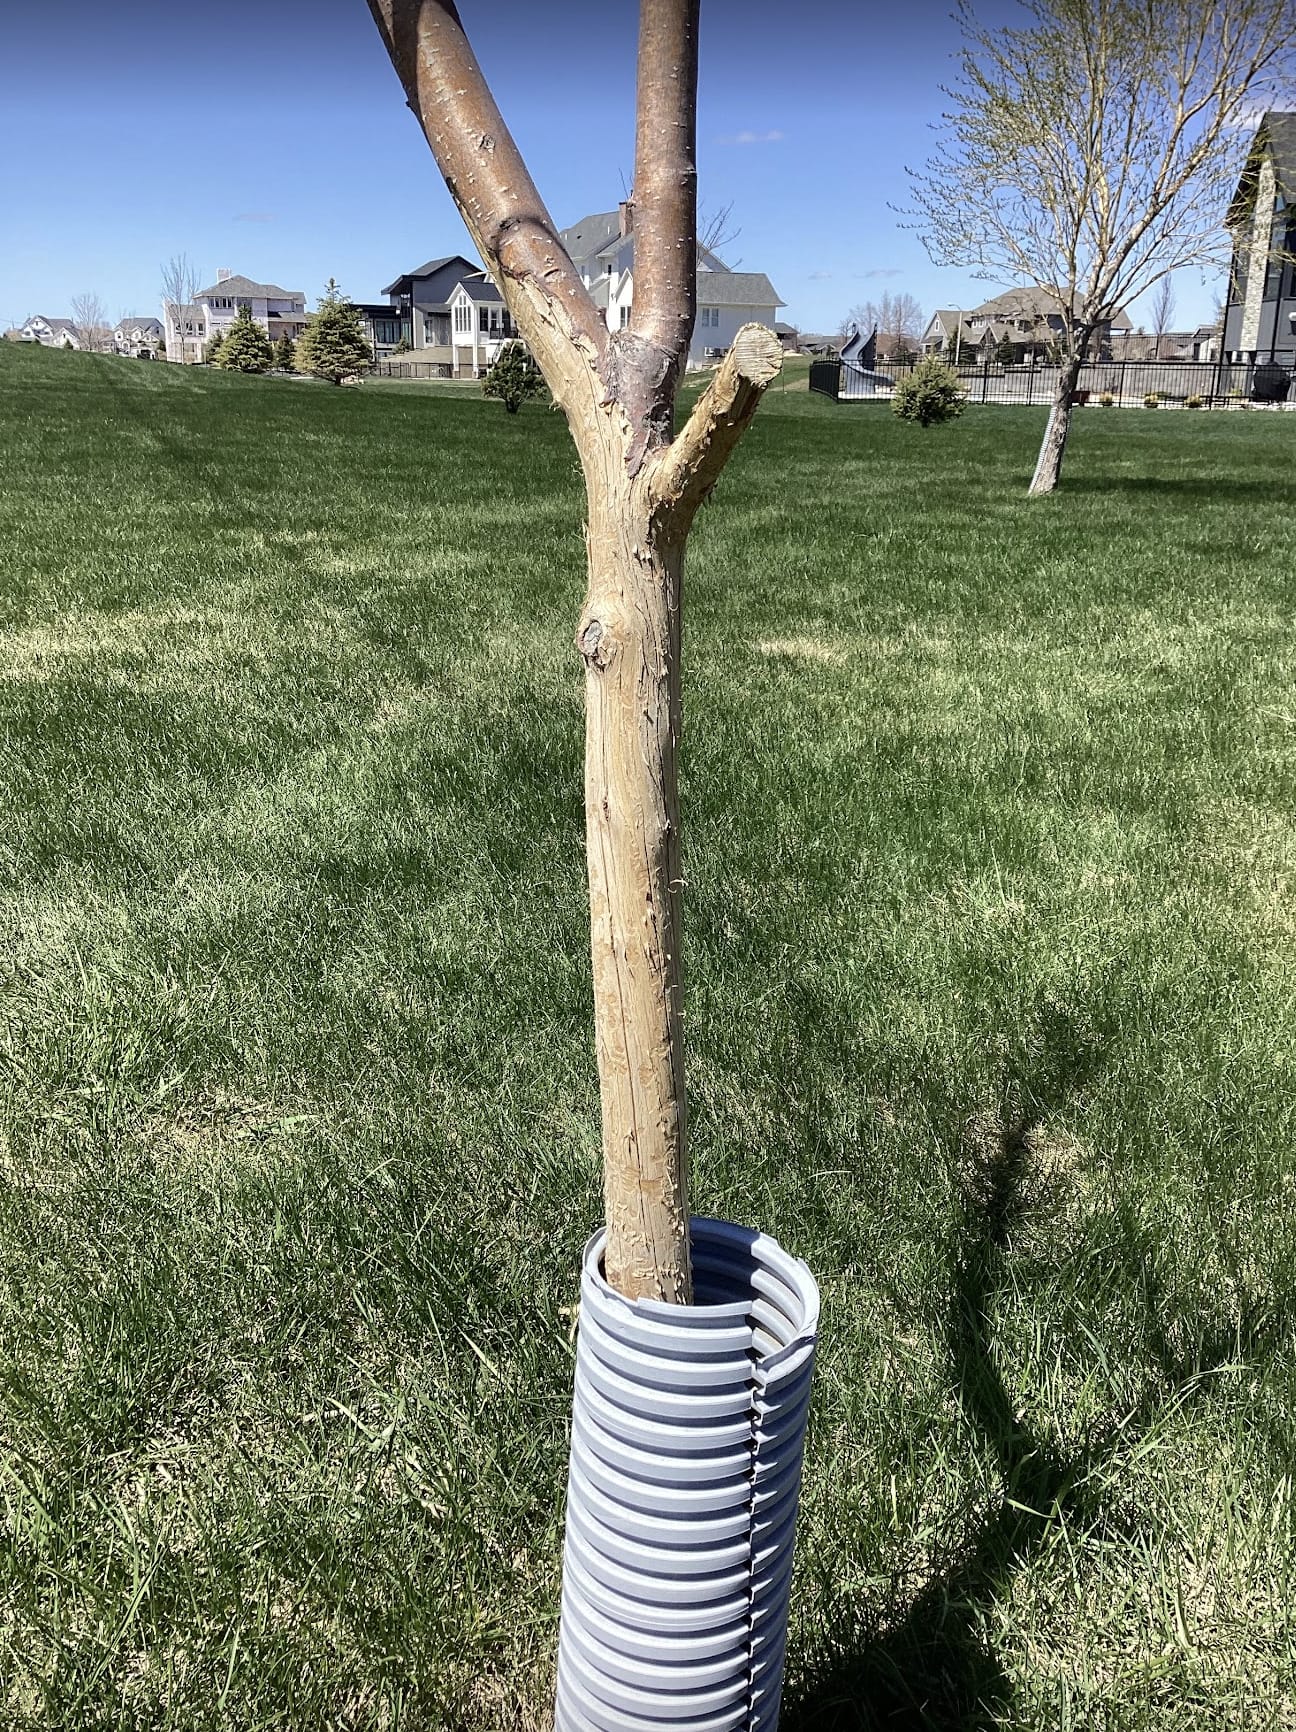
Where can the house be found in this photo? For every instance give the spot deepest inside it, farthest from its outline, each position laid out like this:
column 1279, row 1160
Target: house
column 601, row 247
column 480, row 325
column 138, row 334
column 280, row 312
column 1260, row 307
column 52, row 333
column 1029, row 318
column 789, row 337
column 418, row 311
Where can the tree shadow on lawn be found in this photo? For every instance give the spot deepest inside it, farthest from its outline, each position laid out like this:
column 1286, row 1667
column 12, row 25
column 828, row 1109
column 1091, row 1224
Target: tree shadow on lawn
column 1203, row 487
column 936, row 1670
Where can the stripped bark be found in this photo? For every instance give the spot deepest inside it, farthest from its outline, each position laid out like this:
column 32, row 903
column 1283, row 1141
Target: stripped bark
column 642, row 488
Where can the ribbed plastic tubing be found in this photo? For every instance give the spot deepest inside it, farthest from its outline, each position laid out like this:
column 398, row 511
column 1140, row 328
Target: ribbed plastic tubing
column 688, row 1428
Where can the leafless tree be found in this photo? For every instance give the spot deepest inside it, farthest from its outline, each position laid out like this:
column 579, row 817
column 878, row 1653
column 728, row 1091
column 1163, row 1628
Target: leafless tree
column 1163, row 312
column 643, row 487
column 717, row 230
column 897, row 318
column 181, row 281
column 90, row 322
column 1093, row 151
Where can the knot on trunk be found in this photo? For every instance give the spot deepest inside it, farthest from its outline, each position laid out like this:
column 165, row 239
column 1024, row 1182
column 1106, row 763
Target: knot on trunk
column 596, row 643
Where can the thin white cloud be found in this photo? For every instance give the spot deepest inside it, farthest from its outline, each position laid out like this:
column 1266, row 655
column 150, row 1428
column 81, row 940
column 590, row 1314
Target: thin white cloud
column 256, row 216
column 820, row 276
column 885, row 271
column 751, row 138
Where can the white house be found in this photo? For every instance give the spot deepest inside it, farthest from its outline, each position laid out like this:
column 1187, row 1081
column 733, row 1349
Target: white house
column 281, row 313
column 53, row 333
column 138, row 334
column 480, row 325
column 602, row 249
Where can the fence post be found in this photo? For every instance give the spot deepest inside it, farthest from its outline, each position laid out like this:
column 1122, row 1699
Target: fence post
column 985, row 376
column 1030, row 379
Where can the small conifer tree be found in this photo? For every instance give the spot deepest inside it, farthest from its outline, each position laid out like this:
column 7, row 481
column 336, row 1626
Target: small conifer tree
column 246, row 348
column 514, row 377
column 284, row 351
column 333, row 345
column 1006, row 352
column 931, row 394
column 213, row 349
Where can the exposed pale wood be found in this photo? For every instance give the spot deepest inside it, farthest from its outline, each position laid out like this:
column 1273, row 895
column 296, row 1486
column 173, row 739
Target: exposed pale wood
column 618, row 394
column 691, row 466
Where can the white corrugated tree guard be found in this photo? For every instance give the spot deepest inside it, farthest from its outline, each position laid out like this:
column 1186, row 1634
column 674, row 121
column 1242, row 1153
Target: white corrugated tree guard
column 643, row 487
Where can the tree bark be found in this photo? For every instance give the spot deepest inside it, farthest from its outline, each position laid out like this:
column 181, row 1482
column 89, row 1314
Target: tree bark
column 1048, row 466
column 643, row 489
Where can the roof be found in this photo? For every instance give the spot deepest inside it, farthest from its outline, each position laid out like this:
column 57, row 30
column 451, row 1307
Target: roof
column 1276, row 137
column 782, row 330
column 245, row 286
column 54, row 324
column 478, row 287
column 137, row 322
column 430, row 269
column 737, row 289
column 590, row 235
column 1031, row 303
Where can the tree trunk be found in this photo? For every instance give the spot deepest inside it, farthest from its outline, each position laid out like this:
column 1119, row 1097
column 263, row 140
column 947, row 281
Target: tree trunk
column 1048, row 466
column 629, row 637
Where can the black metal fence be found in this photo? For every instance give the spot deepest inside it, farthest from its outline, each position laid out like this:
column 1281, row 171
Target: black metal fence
column 1124, row 384
column 398, row 367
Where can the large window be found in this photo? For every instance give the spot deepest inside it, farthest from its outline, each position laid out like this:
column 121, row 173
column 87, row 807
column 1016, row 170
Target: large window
column 462, row 316
column 387, row 331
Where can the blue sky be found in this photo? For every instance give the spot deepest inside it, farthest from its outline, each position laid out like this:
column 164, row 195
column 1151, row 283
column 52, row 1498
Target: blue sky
column 273, row 140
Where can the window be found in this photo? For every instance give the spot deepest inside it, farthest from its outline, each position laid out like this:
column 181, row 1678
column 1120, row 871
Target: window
column 462, row 316
column 709, row 317
column 625, row 317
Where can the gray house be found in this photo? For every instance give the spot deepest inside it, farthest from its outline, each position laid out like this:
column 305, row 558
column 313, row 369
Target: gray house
column 1260, row 312
column 418, row 310
column 601, row 247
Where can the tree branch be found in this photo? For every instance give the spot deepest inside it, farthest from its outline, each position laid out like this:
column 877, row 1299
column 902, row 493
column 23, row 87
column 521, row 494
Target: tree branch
column 690, row 466
column 489, row 181
column 665, row 183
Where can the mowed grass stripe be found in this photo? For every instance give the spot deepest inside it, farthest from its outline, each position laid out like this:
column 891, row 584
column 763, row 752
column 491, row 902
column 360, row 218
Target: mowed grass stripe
column 988, row 846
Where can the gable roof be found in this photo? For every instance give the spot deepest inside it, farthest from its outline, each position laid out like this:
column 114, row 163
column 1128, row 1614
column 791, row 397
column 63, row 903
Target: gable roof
column 245, row 286
column 478, row 287
column 52, row 324
column 1032, row 303
column 138, row 322
column 737, row 289
column 590, row 235
column 433, row 267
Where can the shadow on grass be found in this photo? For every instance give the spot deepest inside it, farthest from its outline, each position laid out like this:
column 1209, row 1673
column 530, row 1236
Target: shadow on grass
column 1204, row 487
column 936, row 1669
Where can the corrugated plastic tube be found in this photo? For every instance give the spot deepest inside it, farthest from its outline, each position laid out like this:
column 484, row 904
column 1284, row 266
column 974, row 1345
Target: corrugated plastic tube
column 688, row 1427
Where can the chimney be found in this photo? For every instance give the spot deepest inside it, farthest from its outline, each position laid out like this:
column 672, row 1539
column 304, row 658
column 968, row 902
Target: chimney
column 627, row 215
column 223, row 276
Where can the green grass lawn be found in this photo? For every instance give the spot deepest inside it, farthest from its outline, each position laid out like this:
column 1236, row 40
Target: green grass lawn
column 990, row 957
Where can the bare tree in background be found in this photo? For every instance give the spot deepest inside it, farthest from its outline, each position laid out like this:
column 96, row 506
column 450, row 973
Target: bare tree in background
column 716, row 230
column 1163, row 312
column 642, row 488
column 1094, row 151
column 898, row 319
column 181, row 281
column 90, row 322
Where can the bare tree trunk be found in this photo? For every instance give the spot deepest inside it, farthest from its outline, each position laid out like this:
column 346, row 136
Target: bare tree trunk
column 629, row 636
column 1048, row 466
column 643, row 488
